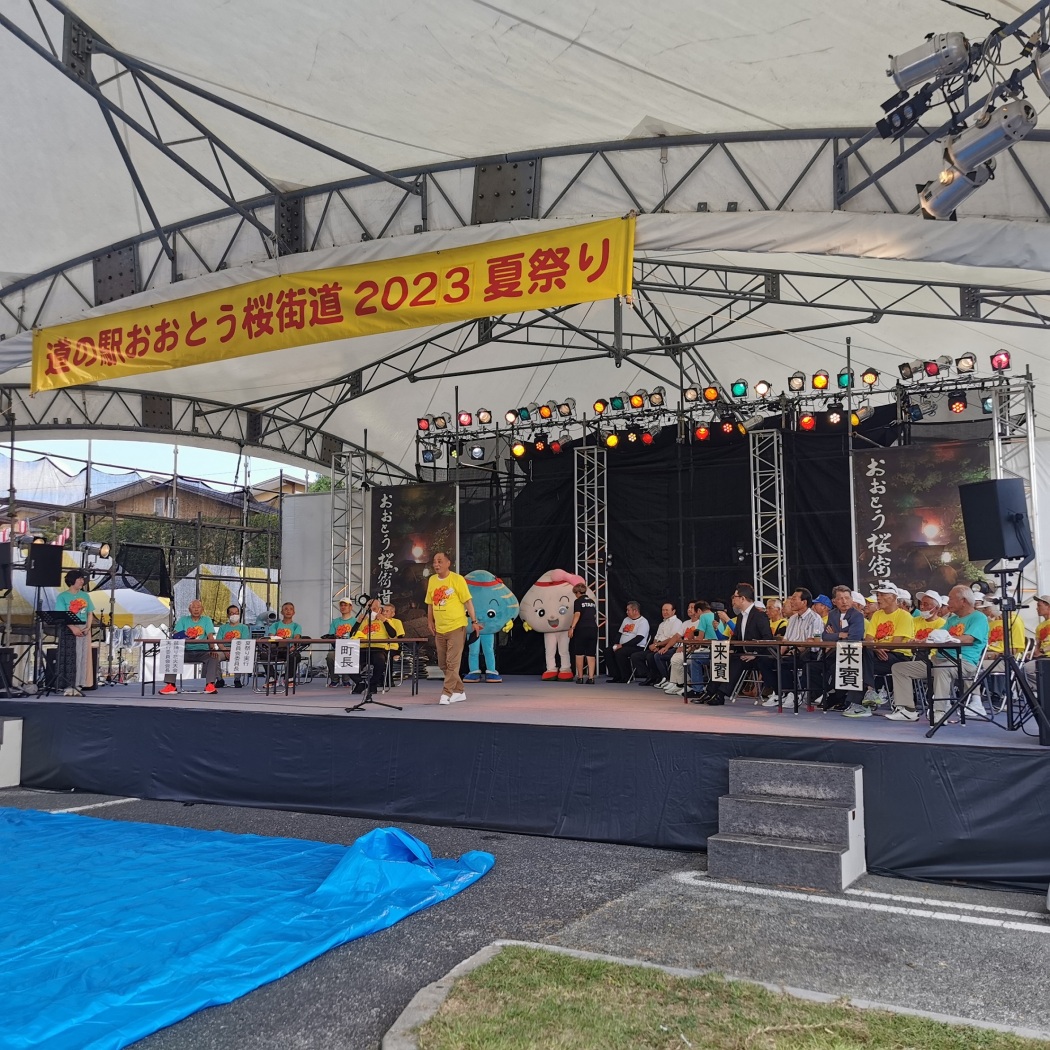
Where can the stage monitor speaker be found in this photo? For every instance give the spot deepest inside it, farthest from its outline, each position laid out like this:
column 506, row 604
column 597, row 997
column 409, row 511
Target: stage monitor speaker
column 144, row 567
column 1042, row 695
column 995, row 519
column 5, row 566
column 44, row 565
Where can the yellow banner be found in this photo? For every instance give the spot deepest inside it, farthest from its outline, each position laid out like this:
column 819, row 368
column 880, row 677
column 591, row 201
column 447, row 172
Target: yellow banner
column 576, row 264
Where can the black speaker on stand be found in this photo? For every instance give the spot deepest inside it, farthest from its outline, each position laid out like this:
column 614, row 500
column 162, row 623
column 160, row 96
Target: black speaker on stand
column 995, row 519
column 5, row 566
column 44, row 565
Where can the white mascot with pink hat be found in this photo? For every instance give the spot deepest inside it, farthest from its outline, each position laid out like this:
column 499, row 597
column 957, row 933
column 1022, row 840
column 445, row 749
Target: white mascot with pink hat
column 547, row 608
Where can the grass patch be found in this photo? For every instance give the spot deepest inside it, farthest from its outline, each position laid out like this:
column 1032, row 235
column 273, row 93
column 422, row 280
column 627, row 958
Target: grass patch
column 527, row 998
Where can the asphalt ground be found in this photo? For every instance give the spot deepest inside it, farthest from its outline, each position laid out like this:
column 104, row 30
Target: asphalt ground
column 969, row 952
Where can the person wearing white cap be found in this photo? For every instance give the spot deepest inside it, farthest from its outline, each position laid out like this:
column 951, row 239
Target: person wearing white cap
column 889, row 625
column 928, row 615
column 1042, row 639
column 858, row 601
column 904, row 599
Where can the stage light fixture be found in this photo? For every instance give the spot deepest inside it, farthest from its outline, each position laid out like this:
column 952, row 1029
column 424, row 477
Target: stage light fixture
column 637, row 399
column 618, row 401
column 1041, row 65
column 860, row 414
column 910, row 369
column 845, row 379
column 939, row 55
column 556, row 447
column 539, row 442
column 739, row 388
column 600, row 406
column 612, row 440
column 702, row 432
column 423, row 423
column 650, row 435
column 914, row 412
column 518, row 449
column 547, row 411
column 835, row 414
column 940, row 198
column 796, row 381
column 728, row 424
column 484, row 416
column 441, row 421
column 567, row 408
column 1000, row 360
column 511, row 416
column 957, row 402
column 476, row 453
column 763, row 387
column 931, row 369
column 465, row 419
column 430, row 455
column 820, row 380
column 633, row 435
column 691, row 393
column 966, row 363
column 711, row 394
column 988, row 405
column 870, row 376
column 807, row 421
column 753, row 422
column 561, row 441
column 657, row 397
column 994, row 132
column 96, row 550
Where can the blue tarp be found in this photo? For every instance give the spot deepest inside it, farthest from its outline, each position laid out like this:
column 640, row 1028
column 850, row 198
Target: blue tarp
column 111, row 930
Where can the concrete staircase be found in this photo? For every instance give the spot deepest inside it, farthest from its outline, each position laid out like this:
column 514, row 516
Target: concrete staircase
column 798, row 824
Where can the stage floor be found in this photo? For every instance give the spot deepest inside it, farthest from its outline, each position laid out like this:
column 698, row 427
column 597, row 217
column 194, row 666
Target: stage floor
column 527, row 701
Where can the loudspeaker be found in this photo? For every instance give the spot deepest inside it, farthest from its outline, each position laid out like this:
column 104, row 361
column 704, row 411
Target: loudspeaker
column 1042, row 696
column 44, row 565
column 995, row 519
column 5, row 566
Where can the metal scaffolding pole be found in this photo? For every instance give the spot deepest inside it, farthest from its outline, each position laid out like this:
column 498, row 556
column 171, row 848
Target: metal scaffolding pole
column 592, row 529
column 349, row 488
column 769, row 549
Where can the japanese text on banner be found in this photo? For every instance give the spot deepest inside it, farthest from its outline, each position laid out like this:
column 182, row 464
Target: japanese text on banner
column 575, row 264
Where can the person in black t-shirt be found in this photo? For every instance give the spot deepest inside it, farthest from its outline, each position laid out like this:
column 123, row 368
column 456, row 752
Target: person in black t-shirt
column 583, row 633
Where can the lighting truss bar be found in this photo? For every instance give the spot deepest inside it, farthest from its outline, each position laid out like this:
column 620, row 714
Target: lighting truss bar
column 767, row 513
column 592, row 527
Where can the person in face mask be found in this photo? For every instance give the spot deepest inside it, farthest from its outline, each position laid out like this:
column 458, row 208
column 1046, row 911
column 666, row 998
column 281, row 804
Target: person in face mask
column 928, row 615
column 228, row 632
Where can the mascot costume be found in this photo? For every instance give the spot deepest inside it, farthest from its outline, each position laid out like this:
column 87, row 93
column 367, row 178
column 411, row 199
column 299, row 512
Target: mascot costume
column 495, row 607
column 547, row 608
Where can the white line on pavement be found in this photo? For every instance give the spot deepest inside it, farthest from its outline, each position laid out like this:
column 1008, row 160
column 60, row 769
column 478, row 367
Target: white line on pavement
column 95, row 805
column 699, row 879
column 983, row 908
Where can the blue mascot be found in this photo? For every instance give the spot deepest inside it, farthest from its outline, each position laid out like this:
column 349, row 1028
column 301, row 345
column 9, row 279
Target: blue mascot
column 496, row 608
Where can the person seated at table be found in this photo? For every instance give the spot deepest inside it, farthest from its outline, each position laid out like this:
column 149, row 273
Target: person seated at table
column 199, row 632
column 342, row 626
column 889, row 625
column 803, row 625
column 634, row 633
column 394, row 629
column 751, row 624
column 650, row 664
column 1042, row 640
column 822, row 607
column 996, row 642
column 928, row 614
column 73, row 669
column 283, row 632
column 777, row 619
column 374, row 629
column 845, row 624
column 966, row 625
column 700, row 656
column 675, row 684
column 231, row 631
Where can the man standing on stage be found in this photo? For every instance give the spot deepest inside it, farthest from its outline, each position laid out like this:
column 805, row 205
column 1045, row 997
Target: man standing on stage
column 448, row 607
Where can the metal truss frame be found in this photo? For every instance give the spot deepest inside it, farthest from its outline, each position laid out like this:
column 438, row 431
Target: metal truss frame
column 768, row 541
column 85, row 411
column 592, row 527
column 349, row 490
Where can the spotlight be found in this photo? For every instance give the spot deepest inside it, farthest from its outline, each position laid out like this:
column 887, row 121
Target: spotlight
column 821, row 380
column 657, row 396
column 739, row 388
column 526, row 412
column 870, row 376
column 511, row 415
column 845, row 379
column 476, row 453
column 600, row 406
column 994, row 132
column 567, row 408
column 835, row 414
column 957, row 402
column 633, row 435
column 423, row 423
column 1000, row 360
column 465, row 419
column 807, row 421
column 518, row 449
column 691, row 393
column 711, row 393
column 939, row 199
column 728, row 424
column 540, row 442
column 914, row 413
column 753, row 422
column 547, row 411
column 938, row 56
column 617, row 401
column 556, row 447
column 966, row 363
column 650, row 435
column 910, row 369
column 560, row 442
column 612, row 440
column 988, row 405
column 763, row 387
column 441, row 421
column 931, row 368
column 637, row 399
column 1041, row 65
column 796, row 381
column 430, row 455
column 702, row 432
column 484, row 416
column 859, row 415
column 96, row 550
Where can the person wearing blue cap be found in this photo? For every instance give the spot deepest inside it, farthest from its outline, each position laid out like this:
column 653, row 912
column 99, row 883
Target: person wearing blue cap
column 822, row 607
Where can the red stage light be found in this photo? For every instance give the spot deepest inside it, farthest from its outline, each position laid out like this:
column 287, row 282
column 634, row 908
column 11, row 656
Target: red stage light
column 1000, row 360
column 556, row 447
column 808, row 421
column 931, row 368
column 465, row 419
column 702, row 432
column 728, row 427
column 647, row 438
column 423, row 423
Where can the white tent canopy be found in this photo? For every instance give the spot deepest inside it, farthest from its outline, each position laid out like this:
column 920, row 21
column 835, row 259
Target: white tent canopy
column 417, row 82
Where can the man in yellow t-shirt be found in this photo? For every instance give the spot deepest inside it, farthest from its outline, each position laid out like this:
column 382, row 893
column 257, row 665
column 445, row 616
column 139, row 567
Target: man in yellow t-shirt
column 1042, row 639
column 889, row 625
column 928, row 616
column 995, row 631
column 448, row 607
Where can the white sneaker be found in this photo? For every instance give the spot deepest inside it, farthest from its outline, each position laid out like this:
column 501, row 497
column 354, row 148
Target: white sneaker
column 902, row 714
column 445, row 699
column 975, row 706
column 660, row 684
column 857, row 711
column 771, row 701
column 455, row 698
column 674, row 690
column 872, row 699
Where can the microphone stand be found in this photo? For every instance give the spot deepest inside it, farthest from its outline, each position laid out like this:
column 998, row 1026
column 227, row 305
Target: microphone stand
column 369, row 681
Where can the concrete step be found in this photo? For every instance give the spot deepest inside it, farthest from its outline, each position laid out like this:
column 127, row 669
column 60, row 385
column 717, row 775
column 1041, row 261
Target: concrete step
column 777, row 862
column 808, row 820
column 779, row 778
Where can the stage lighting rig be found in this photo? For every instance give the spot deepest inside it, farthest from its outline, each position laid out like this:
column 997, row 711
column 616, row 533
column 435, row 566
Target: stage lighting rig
column 484, row 416
column 860, row 414
column 957, row 402
column 870, row 376
column 511, row 416
column 612, row 439
column 657, row 397
column 796, row 381
column 807, row 421
column 821, row 380
column 476, row 453
column 727, row 424
column 753, row 422
column 690, row 394
column 1041, row 66
column 711, row 394
column 441, row 420
column 567, row 408
column 465, row 419
column 941, row 55
column 637, row 399
column 618, row 402
column 702, row 432
column 763, row 388
column 1000, row 360
column 910, row 369
column 430, row 455
column 539, row 442
column 518, row 449
column 966, row 363
column 940, row 199
column 424, row 423
column 836, row 415
column 988, row 404
column 992, row 133
column 739, row 388
column 845, row 379
column 600, row 406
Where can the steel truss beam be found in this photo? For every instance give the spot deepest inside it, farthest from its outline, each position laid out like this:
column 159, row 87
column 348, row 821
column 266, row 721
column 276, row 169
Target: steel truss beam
column 349, row 478
column 807, row 170
column 592, row 527
column 84, row 411
column 769, row 546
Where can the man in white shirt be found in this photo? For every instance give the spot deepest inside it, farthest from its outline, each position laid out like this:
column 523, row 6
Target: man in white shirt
column 651, row 664
column 675, row 684
column 634, row 633
column 803, row 624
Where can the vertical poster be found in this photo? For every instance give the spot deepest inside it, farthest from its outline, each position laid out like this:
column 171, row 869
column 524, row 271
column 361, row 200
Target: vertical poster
column 908, row 517
column 410, row 524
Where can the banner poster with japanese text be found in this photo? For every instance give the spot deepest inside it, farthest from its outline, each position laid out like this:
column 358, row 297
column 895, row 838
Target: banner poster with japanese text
column 538, row 270
column 410, row 524
column 909, row 517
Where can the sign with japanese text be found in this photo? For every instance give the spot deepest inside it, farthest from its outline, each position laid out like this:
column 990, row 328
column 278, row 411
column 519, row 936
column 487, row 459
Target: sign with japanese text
column 242, row 656
column 849, row 673
column 908, row 516
column 172, row 655
column 719, row 661
column 347, row 656
column 575, row 264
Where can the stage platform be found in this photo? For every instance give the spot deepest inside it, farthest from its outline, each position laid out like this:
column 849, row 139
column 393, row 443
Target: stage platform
column 617, row 763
